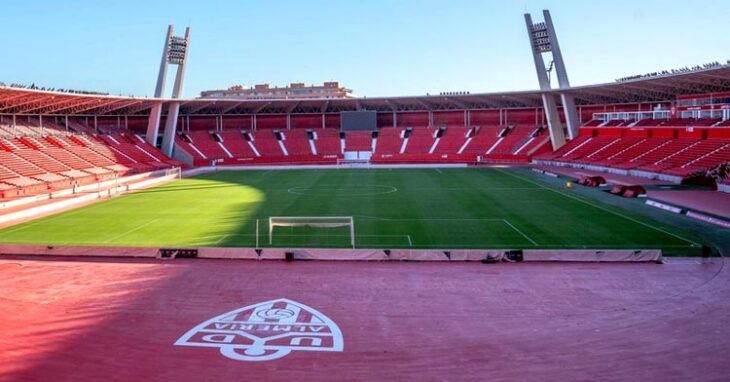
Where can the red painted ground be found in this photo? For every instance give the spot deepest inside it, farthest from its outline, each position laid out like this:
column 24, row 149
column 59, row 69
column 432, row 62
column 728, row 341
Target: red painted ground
column 117, row 320
column 714, row 202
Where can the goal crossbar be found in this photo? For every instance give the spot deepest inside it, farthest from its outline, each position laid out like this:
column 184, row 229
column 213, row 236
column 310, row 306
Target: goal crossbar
column 353, row 163
column 312, row 221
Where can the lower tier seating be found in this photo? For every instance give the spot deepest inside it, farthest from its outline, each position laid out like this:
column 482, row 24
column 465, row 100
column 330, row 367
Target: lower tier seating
column 676, row 152
column 40, row 163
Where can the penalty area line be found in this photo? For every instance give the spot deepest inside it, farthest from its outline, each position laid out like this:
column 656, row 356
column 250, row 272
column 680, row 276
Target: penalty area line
column 223, row 237
column 520, row 232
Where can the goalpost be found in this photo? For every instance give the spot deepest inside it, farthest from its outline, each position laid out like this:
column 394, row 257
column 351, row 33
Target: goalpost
column 312, row 221
column 353, row 163
column 176, row 171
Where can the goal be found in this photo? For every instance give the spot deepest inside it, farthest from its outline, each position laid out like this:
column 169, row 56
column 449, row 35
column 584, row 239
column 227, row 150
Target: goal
column 312, row 221
column 353, row 163
column 175, row 171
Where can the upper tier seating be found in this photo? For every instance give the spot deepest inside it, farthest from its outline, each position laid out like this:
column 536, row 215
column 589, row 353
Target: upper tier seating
column 649, row 122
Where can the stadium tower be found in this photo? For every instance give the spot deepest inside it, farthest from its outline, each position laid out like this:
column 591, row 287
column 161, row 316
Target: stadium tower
column 174, row 52
column 543, row 39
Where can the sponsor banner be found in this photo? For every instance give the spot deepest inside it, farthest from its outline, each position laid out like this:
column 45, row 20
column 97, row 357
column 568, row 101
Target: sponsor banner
column 709, row 219
column 594, row 256
column 665, row 207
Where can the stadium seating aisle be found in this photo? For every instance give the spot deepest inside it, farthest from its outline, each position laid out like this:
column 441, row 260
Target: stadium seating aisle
column 297, row 142
column 453, row 139
column 236, row 143
column 204, row 141
column 389, row 141
column 484, row 139
column 266, row 143
column 421, row 140
column 517, row 136
column 703, row 161
column 615, row 148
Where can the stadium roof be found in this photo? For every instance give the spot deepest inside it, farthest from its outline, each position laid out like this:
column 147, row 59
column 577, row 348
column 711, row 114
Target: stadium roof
column 653, row 89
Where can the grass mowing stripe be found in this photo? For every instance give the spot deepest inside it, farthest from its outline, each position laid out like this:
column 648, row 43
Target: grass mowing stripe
column 130, row 231
column 602, row 208
column 520, row 232
column 429, row 219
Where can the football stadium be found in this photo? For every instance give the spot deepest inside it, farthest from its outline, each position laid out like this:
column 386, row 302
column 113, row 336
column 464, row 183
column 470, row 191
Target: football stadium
column 279, row 232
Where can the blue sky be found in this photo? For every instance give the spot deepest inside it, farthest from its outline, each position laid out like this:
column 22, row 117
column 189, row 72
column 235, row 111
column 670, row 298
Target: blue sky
column 376, row 47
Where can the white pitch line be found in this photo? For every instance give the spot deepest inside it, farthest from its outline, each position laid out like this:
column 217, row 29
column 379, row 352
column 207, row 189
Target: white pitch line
column 263, row 174
column 223, row 237
column 601, row 208
column 681, row 262
column 410, row 243
column 438, row 170
column 520, row 232
column 130, row 231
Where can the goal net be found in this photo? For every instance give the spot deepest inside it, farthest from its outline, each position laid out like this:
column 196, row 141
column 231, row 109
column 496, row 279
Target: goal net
column 353, row 163
column 175, row 171
column 319, row 222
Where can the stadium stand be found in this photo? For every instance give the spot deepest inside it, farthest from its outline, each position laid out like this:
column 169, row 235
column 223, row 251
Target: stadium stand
column 676, row 152
column 267, row 144
column 453, row 139
column 483, row 139
column 515, row 137
column 36, row 160
column 420, row 141
column 327, row 142
column 235, row 142
column 358, row 141
column 392, row 144
column 390, row 140
column 297, row 143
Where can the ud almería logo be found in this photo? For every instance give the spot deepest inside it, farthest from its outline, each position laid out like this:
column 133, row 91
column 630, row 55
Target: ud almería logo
column 266, row 331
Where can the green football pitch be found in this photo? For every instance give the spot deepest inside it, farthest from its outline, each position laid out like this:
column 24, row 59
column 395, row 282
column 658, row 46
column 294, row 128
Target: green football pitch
column 391, row 208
